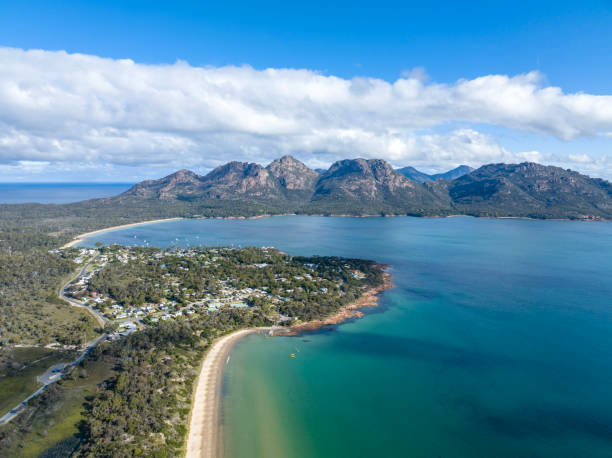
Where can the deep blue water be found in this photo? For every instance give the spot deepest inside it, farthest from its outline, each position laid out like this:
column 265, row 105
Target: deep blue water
column 57, row 193
column 495, row 342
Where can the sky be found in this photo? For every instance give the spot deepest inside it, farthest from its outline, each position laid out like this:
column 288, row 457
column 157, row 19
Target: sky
column 128, row 90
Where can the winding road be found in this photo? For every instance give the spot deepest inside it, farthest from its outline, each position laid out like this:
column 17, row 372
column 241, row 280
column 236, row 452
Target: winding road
column 100, row 318
column 50, row 376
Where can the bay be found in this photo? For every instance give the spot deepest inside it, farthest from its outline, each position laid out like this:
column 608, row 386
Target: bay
column 495, row 341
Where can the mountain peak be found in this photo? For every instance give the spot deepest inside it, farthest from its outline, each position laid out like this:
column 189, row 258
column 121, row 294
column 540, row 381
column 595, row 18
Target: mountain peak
column 371, row 186
column 183, row 175
column 239, row 178
column 287, row 159
column 374, row 168
column 168, row 187
column 292, row 174
column 364, row 178
column 532, row 189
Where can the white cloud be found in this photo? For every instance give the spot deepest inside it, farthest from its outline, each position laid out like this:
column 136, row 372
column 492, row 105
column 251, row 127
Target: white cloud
column 417, row 73
column 79, row 109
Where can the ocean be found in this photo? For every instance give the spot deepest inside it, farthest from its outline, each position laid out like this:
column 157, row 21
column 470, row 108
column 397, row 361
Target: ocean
column 57, row 193
column 495, row 342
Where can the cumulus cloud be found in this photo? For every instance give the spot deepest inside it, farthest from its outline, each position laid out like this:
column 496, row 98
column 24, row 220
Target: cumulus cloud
column 72, row 108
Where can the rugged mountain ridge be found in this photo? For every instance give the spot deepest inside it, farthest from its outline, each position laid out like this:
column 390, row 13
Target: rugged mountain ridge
column 373, row 186
column 228, row 181
column 531, row 189
column 360, row 186
column 169, row 187
column 294, row 177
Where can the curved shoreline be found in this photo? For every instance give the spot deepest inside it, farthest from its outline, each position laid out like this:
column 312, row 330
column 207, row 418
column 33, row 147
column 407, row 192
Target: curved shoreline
column 203, row 431
column 369, row 298
column 81, row 237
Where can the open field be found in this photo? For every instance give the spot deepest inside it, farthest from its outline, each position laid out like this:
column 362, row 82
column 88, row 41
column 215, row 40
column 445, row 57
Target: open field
column 52, row 425
column 18, row 383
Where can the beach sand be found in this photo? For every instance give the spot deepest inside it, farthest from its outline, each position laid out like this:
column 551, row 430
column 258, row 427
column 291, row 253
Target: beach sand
column 202, row 441
column 79, row 238
column 203, row 437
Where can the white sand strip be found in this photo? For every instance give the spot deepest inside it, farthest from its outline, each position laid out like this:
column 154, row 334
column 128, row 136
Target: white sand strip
column 204, row 423
column 79, row 238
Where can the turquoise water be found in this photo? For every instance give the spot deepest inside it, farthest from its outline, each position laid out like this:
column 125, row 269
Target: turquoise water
column 57, row 193
column 495, row 342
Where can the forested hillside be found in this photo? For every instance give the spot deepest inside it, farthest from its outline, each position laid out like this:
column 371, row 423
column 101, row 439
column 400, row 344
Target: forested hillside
column 30, row 277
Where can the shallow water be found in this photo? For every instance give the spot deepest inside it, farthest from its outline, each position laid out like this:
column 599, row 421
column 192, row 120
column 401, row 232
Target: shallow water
column 496, row 341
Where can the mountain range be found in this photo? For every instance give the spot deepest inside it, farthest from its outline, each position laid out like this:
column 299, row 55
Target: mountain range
column 373, row 187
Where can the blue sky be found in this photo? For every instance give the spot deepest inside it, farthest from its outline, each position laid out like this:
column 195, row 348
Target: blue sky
column 569, row 44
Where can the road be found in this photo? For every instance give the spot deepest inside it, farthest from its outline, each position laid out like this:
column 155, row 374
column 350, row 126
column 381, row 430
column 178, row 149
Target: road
column 50, row 377
column 100, row 318
column 58, row 371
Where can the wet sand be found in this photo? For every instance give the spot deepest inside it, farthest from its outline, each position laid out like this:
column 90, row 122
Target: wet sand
column 203, row 436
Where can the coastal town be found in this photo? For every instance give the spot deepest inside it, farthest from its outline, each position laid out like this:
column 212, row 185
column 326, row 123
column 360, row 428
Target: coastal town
column 133, row 287
column 128, row 289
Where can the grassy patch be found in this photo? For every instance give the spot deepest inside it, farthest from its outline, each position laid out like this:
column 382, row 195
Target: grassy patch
column 18, row 383
column 53, row 430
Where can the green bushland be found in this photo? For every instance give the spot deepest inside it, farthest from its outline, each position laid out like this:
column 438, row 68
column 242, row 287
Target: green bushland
column 19, row 368
column 31, row 274
column 49, row 425
column 138, row 403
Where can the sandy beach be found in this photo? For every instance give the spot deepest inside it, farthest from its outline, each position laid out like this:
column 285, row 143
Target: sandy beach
column 204, row 422
column 79, row 238
column 203, row 436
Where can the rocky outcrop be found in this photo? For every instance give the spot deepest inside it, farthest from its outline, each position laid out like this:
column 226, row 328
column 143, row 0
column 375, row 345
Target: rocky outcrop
column 294, row 177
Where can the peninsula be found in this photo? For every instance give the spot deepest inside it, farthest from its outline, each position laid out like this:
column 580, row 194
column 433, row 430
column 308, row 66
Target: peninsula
column 164, row 309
